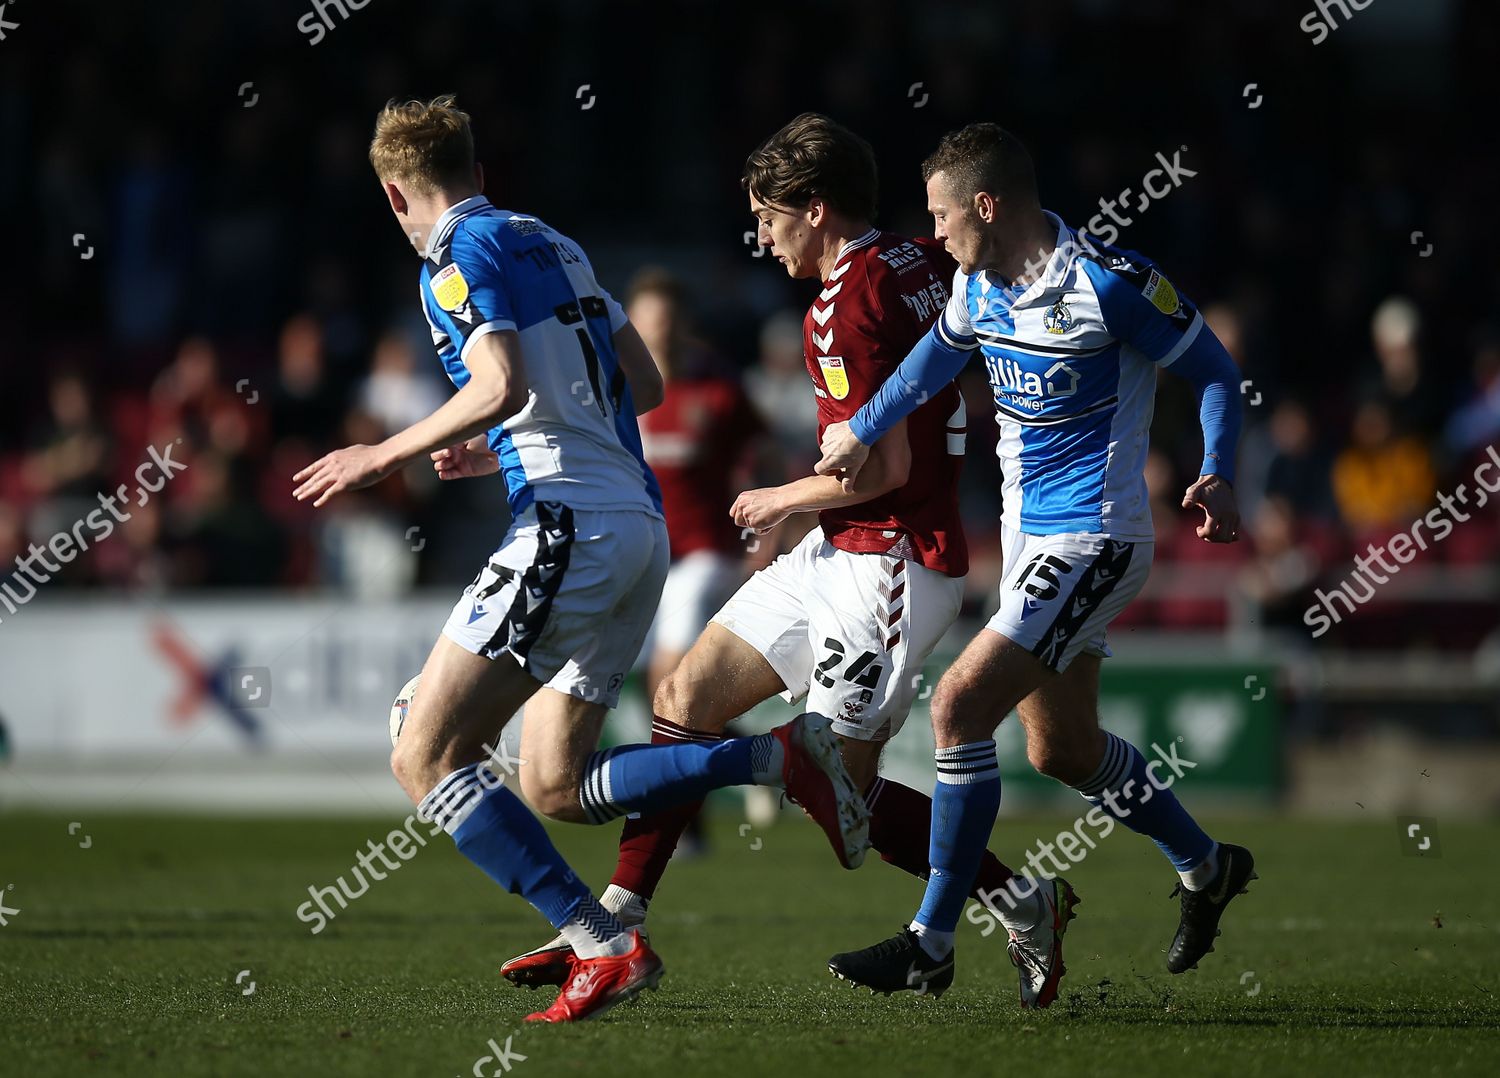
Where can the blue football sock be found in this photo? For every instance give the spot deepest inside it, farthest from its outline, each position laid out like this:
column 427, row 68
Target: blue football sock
column 647, row 778
column 964, row 806
column 495, row 830
column 1124, row 788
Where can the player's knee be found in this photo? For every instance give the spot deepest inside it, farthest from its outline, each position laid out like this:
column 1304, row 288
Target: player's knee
column 1068, row 760
column 958, row 716
column 678, row 701
column 414, row 769
column 670, row 702
column 552, row 795
column 402, row 767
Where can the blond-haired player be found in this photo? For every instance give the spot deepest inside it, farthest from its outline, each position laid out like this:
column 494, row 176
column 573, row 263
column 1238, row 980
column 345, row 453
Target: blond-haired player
column 550, row 373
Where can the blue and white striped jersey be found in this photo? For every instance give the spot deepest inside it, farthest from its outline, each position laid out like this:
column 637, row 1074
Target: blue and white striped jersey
column 576, row 440
column 1072, row 359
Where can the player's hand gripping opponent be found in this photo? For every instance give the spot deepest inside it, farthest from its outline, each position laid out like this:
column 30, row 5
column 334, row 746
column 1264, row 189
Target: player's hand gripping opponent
column 466, row 461
column 1221, row 514
column 843, row 455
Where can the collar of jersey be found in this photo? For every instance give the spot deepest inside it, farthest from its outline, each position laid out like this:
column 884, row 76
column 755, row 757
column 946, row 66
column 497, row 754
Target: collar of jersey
column 449, row 220
column 1057, row 265
column 855, row 244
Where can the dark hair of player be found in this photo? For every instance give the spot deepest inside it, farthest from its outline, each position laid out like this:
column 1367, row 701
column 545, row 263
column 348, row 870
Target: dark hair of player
column 984, row 157
column 814, row 157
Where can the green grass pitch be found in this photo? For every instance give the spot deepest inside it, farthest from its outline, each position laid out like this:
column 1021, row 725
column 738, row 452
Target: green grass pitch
column 123, row 958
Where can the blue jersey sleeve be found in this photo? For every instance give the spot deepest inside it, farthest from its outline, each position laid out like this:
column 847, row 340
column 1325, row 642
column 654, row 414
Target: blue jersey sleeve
column 928, row 367
column 1207, row 365
column 466, row 293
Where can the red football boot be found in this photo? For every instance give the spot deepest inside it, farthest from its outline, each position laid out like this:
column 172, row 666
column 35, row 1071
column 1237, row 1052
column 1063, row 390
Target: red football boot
column 815, row 779
column 597, row 984
column 551, row 963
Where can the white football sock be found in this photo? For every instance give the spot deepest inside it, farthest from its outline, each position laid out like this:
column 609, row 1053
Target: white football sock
column 594, row 932
column 627, row 906
column 1202, row 874
column 938, row 945
column 767, row 760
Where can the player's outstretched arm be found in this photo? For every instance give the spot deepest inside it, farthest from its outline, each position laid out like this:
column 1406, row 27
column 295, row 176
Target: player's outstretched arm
column 932, row 363
column 888, row 468
column 495, row 391
column 1207, row 365
column 646, row 386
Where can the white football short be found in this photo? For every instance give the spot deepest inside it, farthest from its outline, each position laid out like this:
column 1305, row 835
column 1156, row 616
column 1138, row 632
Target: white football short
column 1058, row 593
column 570, row 594
column 697, row 585
column 849, row 631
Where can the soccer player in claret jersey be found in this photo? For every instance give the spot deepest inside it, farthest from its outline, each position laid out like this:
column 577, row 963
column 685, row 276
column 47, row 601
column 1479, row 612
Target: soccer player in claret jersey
column 850, row 615
column 551, row 374
column 1073, row 336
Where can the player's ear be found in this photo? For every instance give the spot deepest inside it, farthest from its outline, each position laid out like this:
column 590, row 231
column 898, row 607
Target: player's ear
column 984, row 204
column 397, row 199
column 816, row 212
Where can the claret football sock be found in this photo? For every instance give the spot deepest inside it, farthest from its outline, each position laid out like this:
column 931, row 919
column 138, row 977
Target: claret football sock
column 647, row 841
column 965, row 803
column 1123, row 787
column 900, row 831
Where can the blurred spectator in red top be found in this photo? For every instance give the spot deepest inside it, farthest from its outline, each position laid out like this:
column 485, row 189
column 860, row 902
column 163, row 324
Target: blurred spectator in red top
column 189, row 401
column 698, row 442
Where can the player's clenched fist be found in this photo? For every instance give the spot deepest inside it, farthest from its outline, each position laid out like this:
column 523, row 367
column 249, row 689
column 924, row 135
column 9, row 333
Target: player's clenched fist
column 466, row 461
column 759, row 510
column 843, row 454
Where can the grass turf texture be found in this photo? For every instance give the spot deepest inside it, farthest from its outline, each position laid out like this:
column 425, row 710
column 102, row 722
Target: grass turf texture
column 124, row 956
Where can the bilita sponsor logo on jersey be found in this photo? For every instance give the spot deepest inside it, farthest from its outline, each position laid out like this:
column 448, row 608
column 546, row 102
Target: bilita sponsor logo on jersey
column 1014, row 384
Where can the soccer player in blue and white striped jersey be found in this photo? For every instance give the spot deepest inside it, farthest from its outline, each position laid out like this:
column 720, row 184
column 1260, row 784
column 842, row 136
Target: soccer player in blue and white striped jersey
column 549, row 377
column 1072, row 335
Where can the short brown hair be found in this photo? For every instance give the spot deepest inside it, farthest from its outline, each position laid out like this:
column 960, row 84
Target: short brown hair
column 814, row 157
column 984, row 157
column 427, row 145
